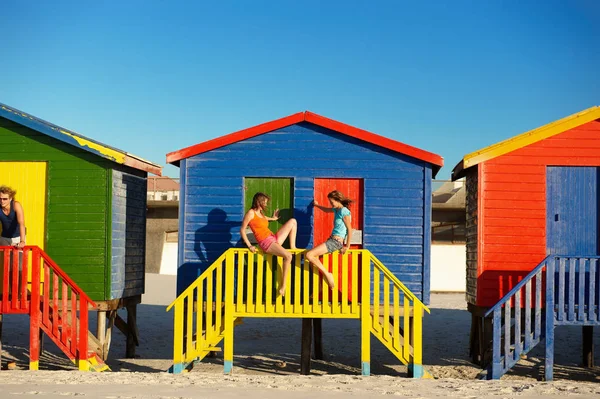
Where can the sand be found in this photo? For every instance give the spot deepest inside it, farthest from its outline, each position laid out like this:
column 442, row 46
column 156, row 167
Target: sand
column 266, row 362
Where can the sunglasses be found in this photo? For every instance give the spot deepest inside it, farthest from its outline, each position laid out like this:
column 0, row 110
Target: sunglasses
column 4, row 199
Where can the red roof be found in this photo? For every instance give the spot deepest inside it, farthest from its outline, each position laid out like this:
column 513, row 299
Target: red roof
column 436, row 160
column 162, row 184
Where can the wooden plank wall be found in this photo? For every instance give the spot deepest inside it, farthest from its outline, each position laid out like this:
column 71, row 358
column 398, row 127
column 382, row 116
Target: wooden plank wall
column 77, row 203
column 394, row 200
column 513, row 190
column 128, row 233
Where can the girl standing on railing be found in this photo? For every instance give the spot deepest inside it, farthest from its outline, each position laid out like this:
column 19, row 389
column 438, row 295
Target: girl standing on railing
column 269, row 242
column 342, row 230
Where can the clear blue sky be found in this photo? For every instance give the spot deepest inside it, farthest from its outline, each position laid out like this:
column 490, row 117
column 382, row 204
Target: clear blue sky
column 152, row 77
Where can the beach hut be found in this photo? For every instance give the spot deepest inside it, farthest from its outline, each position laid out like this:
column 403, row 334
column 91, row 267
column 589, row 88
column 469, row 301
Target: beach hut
column 296, row 159
column 531, row 204
column 85, row 208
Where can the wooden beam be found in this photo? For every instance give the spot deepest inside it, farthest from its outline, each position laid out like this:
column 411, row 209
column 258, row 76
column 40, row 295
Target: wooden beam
column 318, row 334
column 306, row 346
column 588, row 346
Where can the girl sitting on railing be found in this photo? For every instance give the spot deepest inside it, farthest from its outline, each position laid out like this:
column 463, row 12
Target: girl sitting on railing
column 342, row 230
column 269, row 242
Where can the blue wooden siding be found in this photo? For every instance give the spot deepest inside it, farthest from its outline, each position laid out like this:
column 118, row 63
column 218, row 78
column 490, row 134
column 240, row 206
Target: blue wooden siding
column 572, row 211
column 395, row 187
column 128, row 234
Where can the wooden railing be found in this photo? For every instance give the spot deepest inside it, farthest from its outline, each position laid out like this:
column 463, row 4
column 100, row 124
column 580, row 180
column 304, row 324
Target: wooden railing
column 397, row 317
column 32, row 283
column 245, row 284
column 560, row 290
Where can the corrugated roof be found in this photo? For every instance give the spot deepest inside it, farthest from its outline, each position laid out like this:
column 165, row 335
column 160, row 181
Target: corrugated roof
column 78, row 140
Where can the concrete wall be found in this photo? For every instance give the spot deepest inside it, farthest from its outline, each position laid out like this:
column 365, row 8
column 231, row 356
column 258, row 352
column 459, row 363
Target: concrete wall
column 159, row 220
column 448, row 270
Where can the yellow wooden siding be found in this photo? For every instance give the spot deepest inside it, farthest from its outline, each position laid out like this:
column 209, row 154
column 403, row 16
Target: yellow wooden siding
column 29, row 181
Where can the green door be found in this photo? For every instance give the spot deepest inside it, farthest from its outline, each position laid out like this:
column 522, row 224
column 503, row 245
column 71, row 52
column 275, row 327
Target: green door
column 281, row 192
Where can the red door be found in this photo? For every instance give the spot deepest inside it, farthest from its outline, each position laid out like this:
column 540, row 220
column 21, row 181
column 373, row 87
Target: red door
column 323, row 221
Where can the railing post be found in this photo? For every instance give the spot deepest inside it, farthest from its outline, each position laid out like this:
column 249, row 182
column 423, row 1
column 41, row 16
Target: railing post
column 417, row 338
column 178, row 338
column 365, row 318
column 496, row 361
column 35, row 312
column 228, row 333
column 550, row 267
column 83, row 363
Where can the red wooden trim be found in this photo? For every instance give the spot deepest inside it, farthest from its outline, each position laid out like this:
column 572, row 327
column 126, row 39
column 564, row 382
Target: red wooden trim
column 83, row 329
column 374, row 139
column 73, row 322
column 65, row 277
column 23, row 277
column 176, row 156
column 234, row 137
column 64, row 315
column 46, row 313
column 14, row 302
column 35, row 315
column 55, row 281
column 5, row 282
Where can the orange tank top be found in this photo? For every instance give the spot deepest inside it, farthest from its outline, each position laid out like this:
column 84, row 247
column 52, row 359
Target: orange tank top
column 260, row 227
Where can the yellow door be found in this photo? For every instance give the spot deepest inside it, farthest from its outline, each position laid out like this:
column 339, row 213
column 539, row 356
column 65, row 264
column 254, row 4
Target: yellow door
column 28, row 179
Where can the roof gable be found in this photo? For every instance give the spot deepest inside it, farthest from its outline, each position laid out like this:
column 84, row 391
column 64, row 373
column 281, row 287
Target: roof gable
column 436, row 160
column 77, row 140
column 525, row 139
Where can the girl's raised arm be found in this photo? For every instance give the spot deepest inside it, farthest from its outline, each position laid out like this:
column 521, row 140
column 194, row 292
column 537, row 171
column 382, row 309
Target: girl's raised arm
column 323, row 208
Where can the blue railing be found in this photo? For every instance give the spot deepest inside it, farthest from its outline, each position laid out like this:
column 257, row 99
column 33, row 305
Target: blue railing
column 572, row 292
column 507, row 355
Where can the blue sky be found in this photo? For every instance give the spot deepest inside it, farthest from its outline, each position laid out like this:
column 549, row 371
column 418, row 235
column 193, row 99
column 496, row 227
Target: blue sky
column 152, row 77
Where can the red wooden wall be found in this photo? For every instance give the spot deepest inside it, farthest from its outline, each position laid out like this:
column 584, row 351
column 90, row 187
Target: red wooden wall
column 511, row 209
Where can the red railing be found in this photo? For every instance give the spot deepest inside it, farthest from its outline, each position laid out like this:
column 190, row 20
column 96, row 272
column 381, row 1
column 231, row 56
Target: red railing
column 33, row 283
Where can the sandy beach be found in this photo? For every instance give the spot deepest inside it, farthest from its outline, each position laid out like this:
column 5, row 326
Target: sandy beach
column 266, row 363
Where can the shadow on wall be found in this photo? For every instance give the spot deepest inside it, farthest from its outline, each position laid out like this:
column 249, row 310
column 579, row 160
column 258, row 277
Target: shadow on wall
column 210, row 242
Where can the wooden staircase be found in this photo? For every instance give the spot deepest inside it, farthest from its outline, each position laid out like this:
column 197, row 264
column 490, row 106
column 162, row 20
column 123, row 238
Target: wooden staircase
column 243, row 284
column 561, row 290
column 33, row 284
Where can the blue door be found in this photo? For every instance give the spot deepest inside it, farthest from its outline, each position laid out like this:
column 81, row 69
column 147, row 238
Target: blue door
column 572, row 210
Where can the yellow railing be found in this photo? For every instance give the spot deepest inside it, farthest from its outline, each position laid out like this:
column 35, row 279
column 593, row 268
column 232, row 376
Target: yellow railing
column 245, row 284
column 397, row 324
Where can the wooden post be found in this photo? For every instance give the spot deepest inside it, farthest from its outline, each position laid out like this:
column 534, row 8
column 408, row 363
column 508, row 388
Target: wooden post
column 108, row 337
column 306, row 346
column 318, row 334
column 588, row 346
column 101, row 331
column 131, row 331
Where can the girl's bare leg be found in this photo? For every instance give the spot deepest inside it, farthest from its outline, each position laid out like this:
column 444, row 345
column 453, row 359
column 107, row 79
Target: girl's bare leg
column 277, row 250
column 289, row 228
column 313, row 257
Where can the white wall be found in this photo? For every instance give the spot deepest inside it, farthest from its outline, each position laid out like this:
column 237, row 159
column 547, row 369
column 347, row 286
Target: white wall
column 168, row 262
column 448, row 268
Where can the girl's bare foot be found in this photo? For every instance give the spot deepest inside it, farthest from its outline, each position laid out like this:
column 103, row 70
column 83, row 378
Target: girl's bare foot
column 282, row 291
column 330, row 280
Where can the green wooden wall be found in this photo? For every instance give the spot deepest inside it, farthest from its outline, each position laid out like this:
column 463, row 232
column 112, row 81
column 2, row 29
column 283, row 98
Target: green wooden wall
column 78, row 204
column 281, row 192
